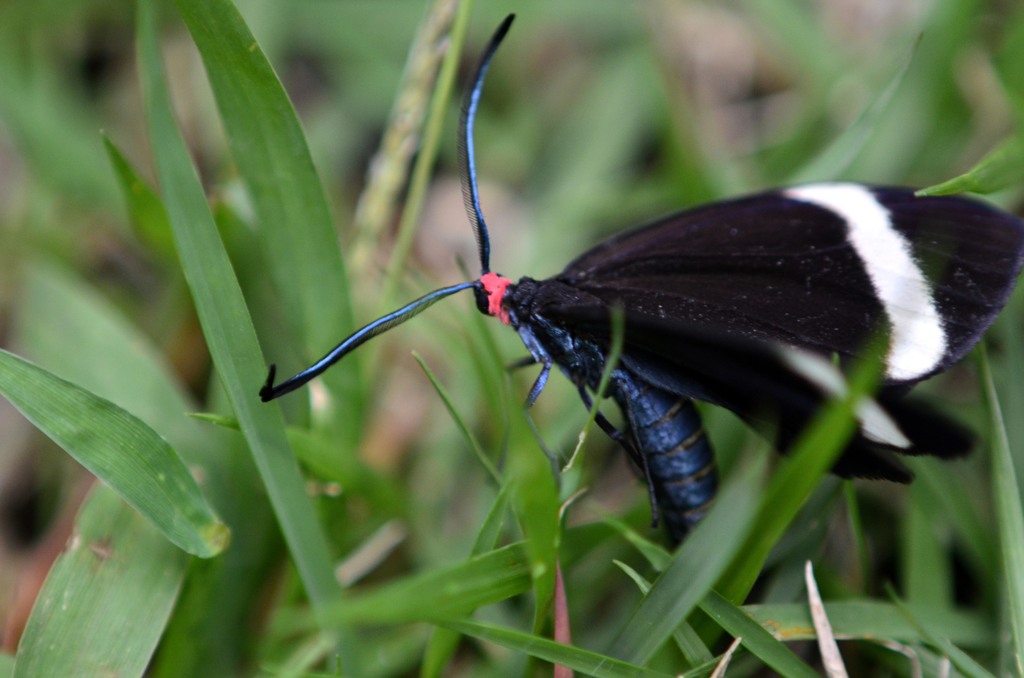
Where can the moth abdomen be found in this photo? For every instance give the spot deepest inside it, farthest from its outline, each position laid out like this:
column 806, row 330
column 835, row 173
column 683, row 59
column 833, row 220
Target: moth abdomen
column 669, row 434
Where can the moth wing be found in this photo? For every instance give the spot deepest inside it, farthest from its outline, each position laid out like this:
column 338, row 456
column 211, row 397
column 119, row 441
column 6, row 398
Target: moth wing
column 779, row 268
column 764, row 383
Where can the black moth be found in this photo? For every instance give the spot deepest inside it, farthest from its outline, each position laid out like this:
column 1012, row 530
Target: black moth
column 727, row 302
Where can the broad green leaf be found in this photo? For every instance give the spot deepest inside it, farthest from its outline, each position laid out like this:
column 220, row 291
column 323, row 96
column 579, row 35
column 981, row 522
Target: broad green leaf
column 107, row 598
column 119, row 449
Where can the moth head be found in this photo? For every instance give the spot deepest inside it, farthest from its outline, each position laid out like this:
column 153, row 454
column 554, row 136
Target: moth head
column 490, row 292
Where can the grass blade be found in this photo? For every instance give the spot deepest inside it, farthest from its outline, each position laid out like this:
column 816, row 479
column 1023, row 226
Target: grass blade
column 111, row 358
column 693, row 570
column 389, row 171
column 874, row 619
column 444, row 642
column 270, row 151
column 443, row 593
column 145, row 210
column 107, row 598
column 118, row 448
column 1002, row 167
column 589, row 663
column 827, row 646
column 459, row 421
column 689, row 643
column 226, row 324
column 837, row 157
column 738, row 624
column 1009, row 514
column 812, row 457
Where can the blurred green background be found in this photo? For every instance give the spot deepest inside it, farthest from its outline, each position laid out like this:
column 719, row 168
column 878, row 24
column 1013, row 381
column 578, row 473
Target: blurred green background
column 597, row 115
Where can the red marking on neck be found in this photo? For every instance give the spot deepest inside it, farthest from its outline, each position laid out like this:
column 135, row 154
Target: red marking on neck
column 495, row 286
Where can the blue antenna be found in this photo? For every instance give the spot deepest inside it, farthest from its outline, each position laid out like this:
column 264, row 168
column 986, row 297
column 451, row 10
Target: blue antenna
column 467, row 162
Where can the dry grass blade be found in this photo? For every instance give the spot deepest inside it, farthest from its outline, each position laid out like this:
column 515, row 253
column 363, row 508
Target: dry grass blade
column 830, row 656
column 723, row 663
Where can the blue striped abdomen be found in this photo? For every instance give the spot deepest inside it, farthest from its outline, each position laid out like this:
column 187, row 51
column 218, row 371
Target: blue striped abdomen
column 668, row 431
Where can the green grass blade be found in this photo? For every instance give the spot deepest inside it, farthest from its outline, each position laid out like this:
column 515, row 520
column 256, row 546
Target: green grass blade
column 444, row 642
column 443, row 593
column 1009, row 514
column 859, row 537
column 111, row 358
column 694, row 569
column 611, row 362
column 690, row 644
column 927, row 571
column 145, row 210
column 1002, row 167
column 226, row 324
column 959, row 659
column 952, row 500
column 118, row 448
column 270, row 151
column 800, row 472
column 535, row 500
column 755, row 638
column 318, row 454
column 54, row 130
column 584, row 661
column 831, row 162
column 459, row 421
column 875, row 619
column 490, row 532
column 106, row 600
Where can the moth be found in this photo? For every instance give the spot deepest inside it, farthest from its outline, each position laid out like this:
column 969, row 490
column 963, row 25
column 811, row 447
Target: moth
column 723, row 303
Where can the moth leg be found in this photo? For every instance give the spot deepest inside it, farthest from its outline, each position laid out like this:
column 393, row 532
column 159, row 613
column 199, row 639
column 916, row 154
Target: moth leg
column 531, row 398
column 628, row 444
column 539, row 384
column 525, row 361
column 608, row 427
column 548, row 452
